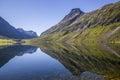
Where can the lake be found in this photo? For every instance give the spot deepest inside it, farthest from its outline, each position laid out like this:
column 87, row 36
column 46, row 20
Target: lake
column 60, row 62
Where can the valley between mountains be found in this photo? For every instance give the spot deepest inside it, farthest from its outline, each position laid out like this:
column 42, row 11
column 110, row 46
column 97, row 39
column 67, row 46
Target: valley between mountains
column 101, row 25
column 81, row 42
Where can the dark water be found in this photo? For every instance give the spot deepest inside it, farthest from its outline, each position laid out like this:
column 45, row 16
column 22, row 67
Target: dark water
column 60, row 62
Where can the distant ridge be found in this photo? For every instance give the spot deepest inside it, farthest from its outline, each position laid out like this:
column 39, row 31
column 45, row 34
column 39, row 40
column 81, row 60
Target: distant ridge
column 9, row 31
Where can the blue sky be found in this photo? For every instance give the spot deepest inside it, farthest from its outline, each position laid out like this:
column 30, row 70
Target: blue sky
column 39, row 15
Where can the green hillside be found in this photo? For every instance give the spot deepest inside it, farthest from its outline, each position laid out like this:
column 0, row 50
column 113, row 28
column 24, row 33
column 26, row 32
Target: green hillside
column 102, row 25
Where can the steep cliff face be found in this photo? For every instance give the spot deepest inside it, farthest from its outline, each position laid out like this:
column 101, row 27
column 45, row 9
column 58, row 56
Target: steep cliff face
column 66, row 21
column 93, row 26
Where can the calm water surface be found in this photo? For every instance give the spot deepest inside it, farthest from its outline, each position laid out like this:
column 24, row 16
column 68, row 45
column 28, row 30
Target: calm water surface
column 56, row 62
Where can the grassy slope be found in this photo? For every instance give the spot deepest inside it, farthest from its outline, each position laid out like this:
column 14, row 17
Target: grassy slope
column 115, row 37
column 95, row 35
column 97, row 26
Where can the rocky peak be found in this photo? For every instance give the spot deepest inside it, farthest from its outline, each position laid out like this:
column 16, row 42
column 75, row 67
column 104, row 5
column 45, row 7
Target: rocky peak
column 66, row 21
column 73, row 13
column 76, row 10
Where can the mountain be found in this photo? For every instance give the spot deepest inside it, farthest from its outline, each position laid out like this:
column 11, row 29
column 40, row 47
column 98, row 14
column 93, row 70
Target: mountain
column 67, row 21
column 9, row 31
column 100, row 25
column 30, row 33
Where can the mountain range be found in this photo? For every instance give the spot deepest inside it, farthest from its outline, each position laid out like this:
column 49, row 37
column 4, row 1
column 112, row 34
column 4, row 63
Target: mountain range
column 8, row 31
column 101, row 25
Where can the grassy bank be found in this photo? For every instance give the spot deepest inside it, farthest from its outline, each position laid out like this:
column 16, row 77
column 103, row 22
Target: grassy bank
column 4, row 42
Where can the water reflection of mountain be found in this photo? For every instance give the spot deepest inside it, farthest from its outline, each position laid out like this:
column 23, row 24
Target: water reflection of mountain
column 103, row 60
column 8, row 52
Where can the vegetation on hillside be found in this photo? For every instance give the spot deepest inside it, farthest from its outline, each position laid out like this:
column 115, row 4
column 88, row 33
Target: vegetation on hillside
column 101, row 25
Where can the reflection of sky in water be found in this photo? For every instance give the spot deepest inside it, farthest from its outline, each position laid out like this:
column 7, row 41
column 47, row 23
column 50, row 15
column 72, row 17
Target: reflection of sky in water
column 30, row 63
column 34, row 66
